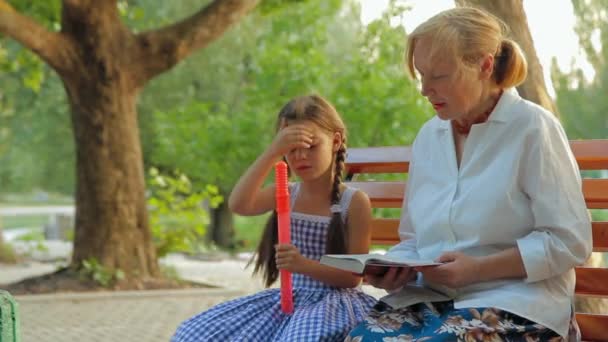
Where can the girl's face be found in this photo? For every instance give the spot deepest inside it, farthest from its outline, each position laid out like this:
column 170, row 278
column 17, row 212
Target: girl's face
column 317, row 161
column 454, row 92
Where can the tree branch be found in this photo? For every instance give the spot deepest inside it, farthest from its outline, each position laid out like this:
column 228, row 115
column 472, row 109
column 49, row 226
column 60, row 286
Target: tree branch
column 159, row 50
column 50, row 46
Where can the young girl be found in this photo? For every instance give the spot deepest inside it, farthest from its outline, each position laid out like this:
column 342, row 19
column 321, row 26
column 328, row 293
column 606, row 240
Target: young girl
column 326, row 217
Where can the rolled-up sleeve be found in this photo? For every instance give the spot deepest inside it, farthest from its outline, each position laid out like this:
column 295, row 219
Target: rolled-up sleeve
column 561, row 237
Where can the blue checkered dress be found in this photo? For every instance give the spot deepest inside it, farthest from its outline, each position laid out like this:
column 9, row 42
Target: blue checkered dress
column 322, row 312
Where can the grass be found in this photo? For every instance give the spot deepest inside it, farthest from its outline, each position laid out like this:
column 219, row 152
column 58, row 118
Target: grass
column 25, row 221
column 29, row 200
column 248, row 231
column 34, row 199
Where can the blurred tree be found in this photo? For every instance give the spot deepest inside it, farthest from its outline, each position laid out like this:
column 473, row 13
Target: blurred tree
column 583, row 102
column 315, row 46
column 513, row 14
column 103, row 66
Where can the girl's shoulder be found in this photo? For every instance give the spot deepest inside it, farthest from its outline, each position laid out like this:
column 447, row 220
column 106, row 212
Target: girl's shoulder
column 354, row 199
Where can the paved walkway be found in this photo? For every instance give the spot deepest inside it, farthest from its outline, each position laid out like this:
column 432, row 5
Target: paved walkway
column 117, row 316
column 147, row 316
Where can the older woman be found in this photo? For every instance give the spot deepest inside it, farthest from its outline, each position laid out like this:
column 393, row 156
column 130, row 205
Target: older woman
column 493, row 193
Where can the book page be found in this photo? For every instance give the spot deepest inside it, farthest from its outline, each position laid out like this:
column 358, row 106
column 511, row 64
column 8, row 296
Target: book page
column 383, row 260
column 356, row 263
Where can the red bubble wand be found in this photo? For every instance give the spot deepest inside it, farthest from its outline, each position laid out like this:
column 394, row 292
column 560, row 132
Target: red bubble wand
column 284, row 226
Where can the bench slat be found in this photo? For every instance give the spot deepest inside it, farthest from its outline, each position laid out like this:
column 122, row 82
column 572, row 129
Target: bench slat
column 390, row 194
column 385, row 231
column 600, row 236
column 386, row 159
column 596, row 193
column 593, row 327
column 591, row 281
column 590, row 155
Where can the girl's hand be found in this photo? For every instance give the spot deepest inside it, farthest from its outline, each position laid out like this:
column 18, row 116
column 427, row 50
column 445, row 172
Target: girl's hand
column 394, row 278
column 288, row 258
column 291, row 137
column 460, row 270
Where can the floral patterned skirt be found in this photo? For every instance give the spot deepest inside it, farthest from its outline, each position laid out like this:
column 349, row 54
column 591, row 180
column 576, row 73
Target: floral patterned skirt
column 440, row 321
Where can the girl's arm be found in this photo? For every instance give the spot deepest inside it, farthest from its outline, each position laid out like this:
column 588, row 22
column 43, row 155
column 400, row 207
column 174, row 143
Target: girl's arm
column 359, row 230
column 248, row 198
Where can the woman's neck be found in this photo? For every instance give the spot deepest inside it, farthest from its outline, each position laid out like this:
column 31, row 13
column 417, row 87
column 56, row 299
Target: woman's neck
column 479, row 114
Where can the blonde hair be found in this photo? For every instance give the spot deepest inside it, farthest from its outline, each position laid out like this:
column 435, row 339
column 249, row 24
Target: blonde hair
column 468, row 34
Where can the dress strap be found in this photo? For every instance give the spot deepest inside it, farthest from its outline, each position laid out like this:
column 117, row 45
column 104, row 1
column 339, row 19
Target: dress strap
column 347, row 196
column 294, row 188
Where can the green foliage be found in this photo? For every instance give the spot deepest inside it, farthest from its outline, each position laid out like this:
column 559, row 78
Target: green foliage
column 35, row 240
column 270, row 6
column 223, row 102
column 583, row 103
column 19, row 61
column 47, row 12
column 36, row 145
column 39, row 148
column 92, row 269
column 178, row 218
column 7, row 254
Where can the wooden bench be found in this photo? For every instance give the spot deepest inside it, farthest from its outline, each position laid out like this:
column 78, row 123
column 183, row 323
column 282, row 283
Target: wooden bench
column 9, row 318
column 590, row 155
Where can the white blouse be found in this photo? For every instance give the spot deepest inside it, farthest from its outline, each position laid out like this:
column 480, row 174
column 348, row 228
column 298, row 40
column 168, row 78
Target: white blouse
column 518, row 185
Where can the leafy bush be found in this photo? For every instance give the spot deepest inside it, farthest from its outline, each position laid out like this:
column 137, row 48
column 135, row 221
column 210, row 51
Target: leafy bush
column 92, row 269
column 7, row 254
column 178, row 213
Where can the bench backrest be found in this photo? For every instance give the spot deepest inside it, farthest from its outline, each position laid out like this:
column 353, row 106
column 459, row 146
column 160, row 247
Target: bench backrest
column 590, row 155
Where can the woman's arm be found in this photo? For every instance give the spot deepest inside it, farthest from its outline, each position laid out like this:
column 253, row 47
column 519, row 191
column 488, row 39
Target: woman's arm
column 359, row 230
column 561, row 237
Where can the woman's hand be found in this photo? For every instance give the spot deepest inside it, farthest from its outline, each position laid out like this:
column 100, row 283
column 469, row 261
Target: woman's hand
column 459, row 270
column 394, row 278
column 288, row 258
column 291, row 137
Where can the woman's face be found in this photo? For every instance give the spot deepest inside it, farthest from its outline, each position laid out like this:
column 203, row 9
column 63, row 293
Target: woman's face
column 453, row 91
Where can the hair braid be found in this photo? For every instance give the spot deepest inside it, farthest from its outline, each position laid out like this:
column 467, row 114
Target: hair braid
column 337, row 235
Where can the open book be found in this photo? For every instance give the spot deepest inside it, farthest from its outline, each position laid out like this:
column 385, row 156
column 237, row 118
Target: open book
column 371, row 263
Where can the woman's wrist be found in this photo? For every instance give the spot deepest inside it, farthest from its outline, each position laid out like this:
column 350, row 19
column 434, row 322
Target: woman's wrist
column 507, row 264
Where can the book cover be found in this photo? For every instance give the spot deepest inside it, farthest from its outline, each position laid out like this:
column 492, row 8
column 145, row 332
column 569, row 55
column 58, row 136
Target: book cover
column 419, row 292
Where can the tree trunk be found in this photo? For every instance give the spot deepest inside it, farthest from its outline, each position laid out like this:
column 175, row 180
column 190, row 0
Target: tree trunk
column 103, row 66
column 222, row 226
column 513, row 14
column 111, row 215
